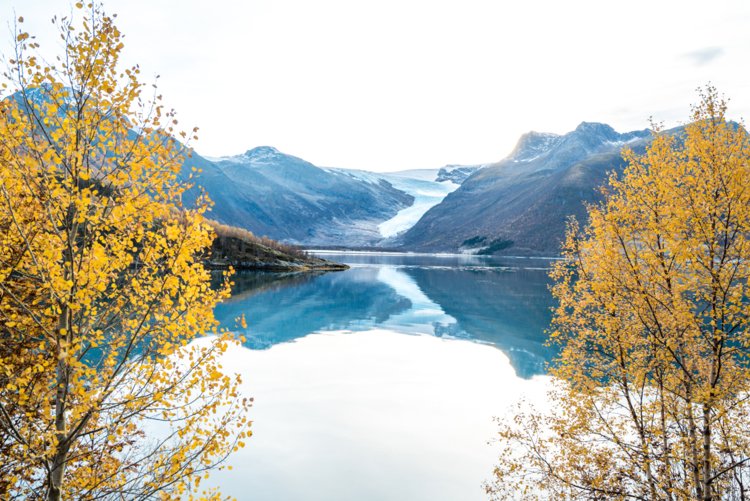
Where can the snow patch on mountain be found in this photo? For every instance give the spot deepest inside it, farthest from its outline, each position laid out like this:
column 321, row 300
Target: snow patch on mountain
column 259, row 154
column 426, row 195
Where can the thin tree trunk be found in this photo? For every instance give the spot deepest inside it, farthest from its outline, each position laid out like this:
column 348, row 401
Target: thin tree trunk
column 666, row 450
column 707, row 495
column 693, row 439
column 57, row 471
column 707, row 470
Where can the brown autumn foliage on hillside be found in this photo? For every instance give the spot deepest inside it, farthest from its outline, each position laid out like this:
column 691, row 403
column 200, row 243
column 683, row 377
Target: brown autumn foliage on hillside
column 254, row 245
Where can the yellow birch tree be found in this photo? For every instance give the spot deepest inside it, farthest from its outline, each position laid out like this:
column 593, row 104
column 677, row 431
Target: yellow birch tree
column 102, row 285
column 653, row 381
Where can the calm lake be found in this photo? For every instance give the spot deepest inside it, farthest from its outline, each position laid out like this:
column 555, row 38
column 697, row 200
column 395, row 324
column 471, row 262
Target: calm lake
column 381, row 382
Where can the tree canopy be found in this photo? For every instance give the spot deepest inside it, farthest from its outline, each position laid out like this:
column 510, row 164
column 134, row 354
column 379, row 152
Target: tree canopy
column 102, row 287
column 653, row 379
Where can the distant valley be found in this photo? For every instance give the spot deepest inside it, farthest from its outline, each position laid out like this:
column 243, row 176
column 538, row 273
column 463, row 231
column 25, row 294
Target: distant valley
column 517, row 206
column 289, row 199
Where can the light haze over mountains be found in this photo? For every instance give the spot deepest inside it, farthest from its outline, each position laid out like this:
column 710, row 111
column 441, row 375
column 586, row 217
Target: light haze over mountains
column 404, row 84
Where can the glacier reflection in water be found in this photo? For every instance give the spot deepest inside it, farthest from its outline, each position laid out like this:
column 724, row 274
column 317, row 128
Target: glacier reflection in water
column 502, row 302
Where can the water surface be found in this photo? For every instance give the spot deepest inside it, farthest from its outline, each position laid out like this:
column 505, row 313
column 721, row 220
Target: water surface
column 500, row 301
column 380, row 382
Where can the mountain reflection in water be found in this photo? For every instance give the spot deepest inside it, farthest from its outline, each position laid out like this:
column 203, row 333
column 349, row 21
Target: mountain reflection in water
column 503, row 302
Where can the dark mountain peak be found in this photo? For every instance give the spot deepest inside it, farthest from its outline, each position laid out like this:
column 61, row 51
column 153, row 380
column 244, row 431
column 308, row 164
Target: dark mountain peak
column 591, row 136
column 597, row 129
column 595, row 135
column 262, row 153
column 520, row 205
column 534, row 144
column 456, row 173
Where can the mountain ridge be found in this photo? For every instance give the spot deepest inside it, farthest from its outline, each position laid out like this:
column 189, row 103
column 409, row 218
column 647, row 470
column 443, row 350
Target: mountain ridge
column 520, row 204
column 289, row 199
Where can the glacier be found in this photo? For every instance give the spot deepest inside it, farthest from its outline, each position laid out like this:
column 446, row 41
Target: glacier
column 422, row 184
column 427, row 194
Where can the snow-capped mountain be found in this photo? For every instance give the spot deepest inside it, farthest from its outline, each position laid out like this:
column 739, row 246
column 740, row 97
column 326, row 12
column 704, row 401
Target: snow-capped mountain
column 286, row 198
column 520, row 204
column 516, row 206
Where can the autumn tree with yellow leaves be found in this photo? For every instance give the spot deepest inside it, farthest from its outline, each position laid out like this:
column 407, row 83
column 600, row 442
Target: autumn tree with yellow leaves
column 101, row 285
column 652, row 399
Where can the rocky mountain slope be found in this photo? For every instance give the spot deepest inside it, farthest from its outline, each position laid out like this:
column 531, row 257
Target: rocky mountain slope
column 289, row 199
column 519, row 205
column 286, row 198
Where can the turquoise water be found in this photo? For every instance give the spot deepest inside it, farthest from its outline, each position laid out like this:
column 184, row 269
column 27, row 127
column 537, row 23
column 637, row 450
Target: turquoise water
column 500, row 301
column 381, row 382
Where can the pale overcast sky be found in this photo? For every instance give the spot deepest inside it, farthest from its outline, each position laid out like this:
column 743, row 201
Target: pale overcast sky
column 402, row 84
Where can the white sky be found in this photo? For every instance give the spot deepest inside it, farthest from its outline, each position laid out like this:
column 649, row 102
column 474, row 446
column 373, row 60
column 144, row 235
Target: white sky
column 402, row 84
